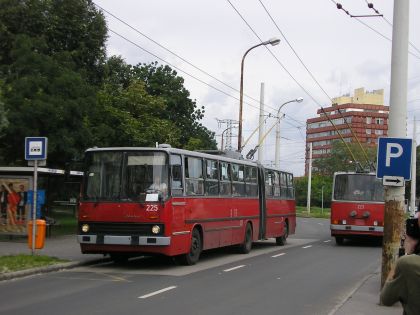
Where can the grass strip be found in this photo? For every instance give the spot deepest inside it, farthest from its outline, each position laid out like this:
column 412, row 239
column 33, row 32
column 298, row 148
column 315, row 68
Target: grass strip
column 21, row 262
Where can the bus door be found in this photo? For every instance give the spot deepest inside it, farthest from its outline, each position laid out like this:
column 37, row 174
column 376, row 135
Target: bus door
column 262, row 202
column 177, row 193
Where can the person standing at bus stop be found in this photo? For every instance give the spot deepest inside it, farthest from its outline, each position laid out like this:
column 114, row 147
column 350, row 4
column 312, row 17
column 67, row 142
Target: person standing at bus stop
column 12, row 202
column 22, row 204
column 403, row 283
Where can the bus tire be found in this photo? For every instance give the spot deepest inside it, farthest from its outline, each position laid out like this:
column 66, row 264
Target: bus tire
column 339, row 240
column 282, row 240
column 192, row 257
column 246, row 246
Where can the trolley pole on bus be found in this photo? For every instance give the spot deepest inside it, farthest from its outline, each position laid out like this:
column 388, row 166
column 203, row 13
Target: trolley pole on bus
column 394, row 196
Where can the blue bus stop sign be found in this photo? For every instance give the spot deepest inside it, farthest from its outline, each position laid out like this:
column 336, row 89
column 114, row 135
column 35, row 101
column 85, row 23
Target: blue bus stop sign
column 36, row 148
column 394, row 158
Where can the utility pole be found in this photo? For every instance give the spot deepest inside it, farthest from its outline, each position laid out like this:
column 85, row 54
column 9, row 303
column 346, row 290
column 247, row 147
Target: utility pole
column 308, row 200
column 394, row 196
column 261, row 124
column 413, row 171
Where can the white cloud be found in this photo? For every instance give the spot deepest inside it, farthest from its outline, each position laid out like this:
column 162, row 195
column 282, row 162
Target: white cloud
column 341, row 53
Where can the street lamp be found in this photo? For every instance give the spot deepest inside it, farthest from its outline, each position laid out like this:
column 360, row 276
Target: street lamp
column 277, row 152
column 272, row 42
column 228, row 128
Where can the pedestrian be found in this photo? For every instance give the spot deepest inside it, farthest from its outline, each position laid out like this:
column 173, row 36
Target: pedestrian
column 21, row 215
column 403, row 283
column 12, row 201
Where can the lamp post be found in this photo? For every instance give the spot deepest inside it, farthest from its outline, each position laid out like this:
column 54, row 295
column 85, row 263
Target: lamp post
column 272, row 42
column 223, row 133
column 277, row 151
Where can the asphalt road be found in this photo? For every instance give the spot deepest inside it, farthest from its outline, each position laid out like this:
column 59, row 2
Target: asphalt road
column 310, row 275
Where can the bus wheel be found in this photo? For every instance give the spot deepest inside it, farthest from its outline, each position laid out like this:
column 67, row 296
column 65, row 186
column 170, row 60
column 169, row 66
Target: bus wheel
column 282, row 240
column 192, row 257
column 246, row 246
column 339, row 240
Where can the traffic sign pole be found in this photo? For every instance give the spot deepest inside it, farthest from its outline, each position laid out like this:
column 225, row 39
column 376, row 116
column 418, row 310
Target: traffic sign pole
column 35, row 150
column 394, row 196
column 34, row 225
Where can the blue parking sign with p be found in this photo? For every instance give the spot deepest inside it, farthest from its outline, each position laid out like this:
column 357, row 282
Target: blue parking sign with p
column 394, row 157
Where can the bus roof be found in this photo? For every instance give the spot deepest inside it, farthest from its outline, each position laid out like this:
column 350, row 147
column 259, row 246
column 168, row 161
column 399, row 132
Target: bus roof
column 184, row 152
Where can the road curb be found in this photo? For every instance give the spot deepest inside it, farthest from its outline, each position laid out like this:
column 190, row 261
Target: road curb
column 352, row 292
column 47, row 269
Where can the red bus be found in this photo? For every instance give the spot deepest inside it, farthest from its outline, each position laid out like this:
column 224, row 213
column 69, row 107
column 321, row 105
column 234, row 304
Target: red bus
column 177, row 203
column 357, row 206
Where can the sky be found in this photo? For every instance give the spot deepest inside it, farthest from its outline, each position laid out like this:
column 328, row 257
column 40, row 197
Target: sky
column 323, row 53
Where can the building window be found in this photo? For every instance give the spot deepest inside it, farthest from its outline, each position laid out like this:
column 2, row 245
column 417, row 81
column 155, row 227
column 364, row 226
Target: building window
column 368, row 131
column 379, row 121
column 379, row 132
column 368, row 120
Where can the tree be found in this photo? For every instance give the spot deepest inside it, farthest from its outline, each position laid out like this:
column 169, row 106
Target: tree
column 134, row 116
column 341, row 160
column 45, row 99
column 164, row 82
column 319, row 185
column 50, row 66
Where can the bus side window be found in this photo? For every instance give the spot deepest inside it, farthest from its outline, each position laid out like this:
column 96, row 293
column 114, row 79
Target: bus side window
column 283, row 185
column 290, row 189
column 225, row 183
column 251, row 181
column 194, row 179
column 276, row 185
column 211, row 183
column 238, row 184
column 269, row 183
column 176, row 175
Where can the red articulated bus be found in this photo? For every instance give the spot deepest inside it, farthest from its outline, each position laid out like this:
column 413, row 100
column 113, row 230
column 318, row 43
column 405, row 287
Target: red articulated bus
column 177, row 203
column 357, row 206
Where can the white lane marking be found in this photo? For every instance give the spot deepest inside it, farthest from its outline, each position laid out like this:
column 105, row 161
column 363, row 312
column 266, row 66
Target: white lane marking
column 307, row 246
column 278, row 255
column 327, row 241
column 321, row 223
column 233, row 268
column 157, row 292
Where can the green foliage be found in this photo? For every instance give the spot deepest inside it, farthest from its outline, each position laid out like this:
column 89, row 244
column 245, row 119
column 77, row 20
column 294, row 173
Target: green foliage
column 135, row 117
column 341, row 160
column 321, row 190
column 55, row 82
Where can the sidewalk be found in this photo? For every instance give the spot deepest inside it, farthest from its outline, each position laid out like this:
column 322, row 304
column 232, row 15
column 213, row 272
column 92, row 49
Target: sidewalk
column 64, row 247
column 362, row 300
column 365, row 300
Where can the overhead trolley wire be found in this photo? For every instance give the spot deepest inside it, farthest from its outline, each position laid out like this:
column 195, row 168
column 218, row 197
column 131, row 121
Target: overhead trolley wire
column 272, row 54
column 294, row 51
column 183, row 59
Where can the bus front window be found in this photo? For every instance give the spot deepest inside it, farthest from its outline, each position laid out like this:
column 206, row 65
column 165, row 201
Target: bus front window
column 358, row 187
column 103, row 176
column 125, row 176
column 146, row 173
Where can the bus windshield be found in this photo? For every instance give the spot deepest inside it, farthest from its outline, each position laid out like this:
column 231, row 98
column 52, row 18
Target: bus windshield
column 129, row 176
column 358, row 187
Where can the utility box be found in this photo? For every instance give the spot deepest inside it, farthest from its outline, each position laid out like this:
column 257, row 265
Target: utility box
column 41, row 226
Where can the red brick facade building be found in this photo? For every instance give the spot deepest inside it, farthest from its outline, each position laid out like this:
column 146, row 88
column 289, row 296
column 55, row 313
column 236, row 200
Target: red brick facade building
column 368, row 121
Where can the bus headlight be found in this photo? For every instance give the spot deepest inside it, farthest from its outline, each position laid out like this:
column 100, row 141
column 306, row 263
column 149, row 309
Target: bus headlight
column 155, row 229
column 344, row 222
column 85, row 228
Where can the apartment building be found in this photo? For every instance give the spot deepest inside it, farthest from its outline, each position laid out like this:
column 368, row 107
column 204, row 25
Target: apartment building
column 365, row 112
